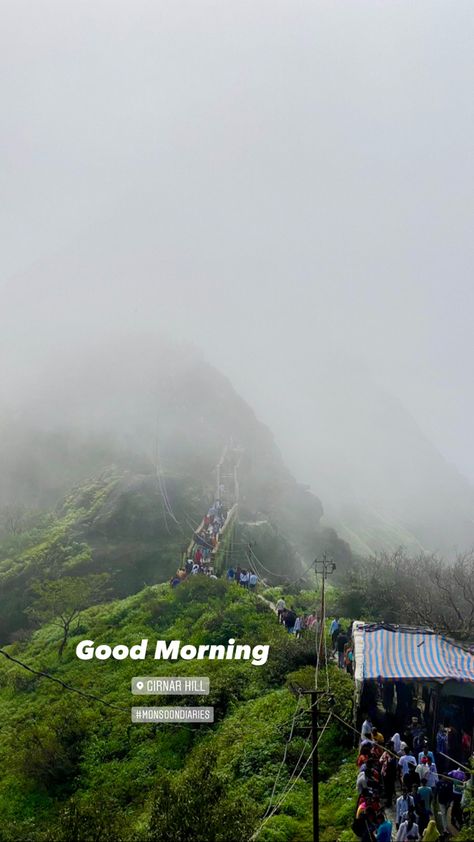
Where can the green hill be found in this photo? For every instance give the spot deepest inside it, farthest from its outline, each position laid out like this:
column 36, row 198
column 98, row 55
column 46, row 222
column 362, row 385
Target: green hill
column 74, row 769
column 79, row 492
column 99, row 498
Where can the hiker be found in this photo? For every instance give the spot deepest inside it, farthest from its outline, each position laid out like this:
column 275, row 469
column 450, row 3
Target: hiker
column 405, row 802
column 389, row 774
column 444, row 794
column 253, row 581
column 198, row 555
column 458, row 778
column 411, row 779
column 425, row 752
column 384, row 829
column 349, row 660
column 245, row 578
column 334, row 629
column 231, row 574
column 398, row 744
column 368, row 777
column 364, row 821
column 425, row 795
column 441, row 748
column 311, row 621
column 431, row 833
column 362, row 780
column 417, row 734
column 423, row 813
column 408, row 830
column 341, row 642
column 423, row 769
column 367, row 729
column 378, row 736
column 406, row 760
column 364, row 754
column 289, row 620
column 280, row 607
column 432, row 778
column 297, row 628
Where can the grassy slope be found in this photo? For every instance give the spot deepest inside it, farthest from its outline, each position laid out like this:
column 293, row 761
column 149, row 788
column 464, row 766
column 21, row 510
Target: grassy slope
column 112, row 523
column 61, row 755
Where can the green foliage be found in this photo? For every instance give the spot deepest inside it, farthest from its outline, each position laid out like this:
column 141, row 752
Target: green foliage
column 62, row 756
column 48, row 753
column 73, row 769
column 61, row 601
column 340, row 683
column 199, row 804
column 337, row 801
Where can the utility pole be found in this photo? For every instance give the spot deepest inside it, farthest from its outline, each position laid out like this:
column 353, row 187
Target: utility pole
column 315, row 764
column 325, row 566
column 316, row 696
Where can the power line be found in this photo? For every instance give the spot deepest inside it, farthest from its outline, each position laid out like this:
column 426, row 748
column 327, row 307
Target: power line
column 290, row 784
column 280, row 575
column 161, row 482
column 62, row 683
column 284, row 754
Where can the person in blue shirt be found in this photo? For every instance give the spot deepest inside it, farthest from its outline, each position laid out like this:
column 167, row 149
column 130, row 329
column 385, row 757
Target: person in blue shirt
column 231, row 574
column 425, row 752
column 334, row 630
column 384, row 829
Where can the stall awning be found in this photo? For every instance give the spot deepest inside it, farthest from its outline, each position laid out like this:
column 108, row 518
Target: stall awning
column 402, row 653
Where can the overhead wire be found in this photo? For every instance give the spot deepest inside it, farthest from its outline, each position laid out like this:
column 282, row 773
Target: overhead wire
column 323, row 633
column 291, row 783
column 280, row 575
column 162, row 484
column 64, row 684
column 290, row 737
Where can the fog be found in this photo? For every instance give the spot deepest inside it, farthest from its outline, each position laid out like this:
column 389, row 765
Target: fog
column 285, row 186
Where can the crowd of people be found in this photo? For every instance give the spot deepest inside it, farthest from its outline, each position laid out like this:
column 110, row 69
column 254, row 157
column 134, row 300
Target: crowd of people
column 407, row 790
column 243, row 577
column 429, row 801
column 295, row 623
column 206, row 539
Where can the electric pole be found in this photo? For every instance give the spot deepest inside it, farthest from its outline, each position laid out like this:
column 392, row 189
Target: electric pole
column 315, row 764
column 316, row 697
column 325, row 566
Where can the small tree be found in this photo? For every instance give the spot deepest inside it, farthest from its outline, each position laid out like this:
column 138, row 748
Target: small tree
column 61, row 601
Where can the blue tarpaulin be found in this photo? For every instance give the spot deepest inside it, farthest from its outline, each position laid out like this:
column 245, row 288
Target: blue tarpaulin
column 401, row 653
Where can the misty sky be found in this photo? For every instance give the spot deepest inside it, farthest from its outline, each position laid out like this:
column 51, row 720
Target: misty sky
column 288, row 185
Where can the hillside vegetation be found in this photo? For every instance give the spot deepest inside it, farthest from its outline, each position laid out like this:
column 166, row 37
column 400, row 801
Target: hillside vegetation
column 74, row 769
